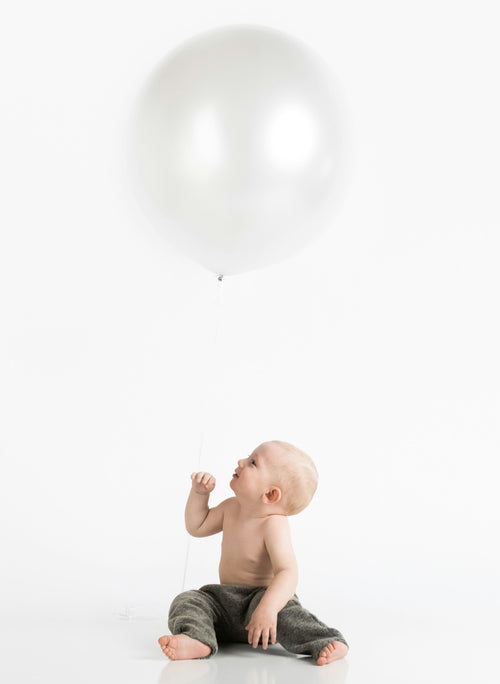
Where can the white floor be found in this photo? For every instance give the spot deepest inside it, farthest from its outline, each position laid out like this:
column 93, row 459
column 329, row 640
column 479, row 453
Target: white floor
column 126, row 652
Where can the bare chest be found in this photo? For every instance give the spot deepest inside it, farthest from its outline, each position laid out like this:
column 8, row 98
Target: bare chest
column 244, row 557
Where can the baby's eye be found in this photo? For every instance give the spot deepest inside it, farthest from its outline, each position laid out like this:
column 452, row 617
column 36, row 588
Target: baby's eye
column 253, row 462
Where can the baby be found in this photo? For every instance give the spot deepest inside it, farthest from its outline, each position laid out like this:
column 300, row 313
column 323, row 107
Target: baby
column 256, row 598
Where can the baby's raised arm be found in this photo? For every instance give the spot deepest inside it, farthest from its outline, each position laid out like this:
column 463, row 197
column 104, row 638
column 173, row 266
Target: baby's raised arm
column 202, row 521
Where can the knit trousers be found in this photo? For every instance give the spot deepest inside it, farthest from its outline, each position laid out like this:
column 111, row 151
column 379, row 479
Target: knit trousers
column 218, row 613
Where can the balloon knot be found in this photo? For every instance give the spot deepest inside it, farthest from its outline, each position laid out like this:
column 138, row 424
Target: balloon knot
column 219, row 278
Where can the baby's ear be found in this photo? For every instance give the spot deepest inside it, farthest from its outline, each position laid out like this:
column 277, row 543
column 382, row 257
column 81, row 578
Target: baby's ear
column 273, row 495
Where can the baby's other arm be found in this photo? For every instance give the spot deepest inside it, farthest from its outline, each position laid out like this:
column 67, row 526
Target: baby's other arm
column 282, row 588
column 202, row 521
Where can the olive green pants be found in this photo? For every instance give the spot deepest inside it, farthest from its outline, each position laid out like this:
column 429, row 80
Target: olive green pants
column 218, row 613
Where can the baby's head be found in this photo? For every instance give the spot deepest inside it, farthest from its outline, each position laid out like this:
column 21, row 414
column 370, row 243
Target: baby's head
column 296, row 474
column 293, row 471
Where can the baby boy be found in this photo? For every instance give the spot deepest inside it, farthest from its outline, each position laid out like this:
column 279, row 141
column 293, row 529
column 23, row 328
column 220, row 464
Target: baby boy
column 256, row 598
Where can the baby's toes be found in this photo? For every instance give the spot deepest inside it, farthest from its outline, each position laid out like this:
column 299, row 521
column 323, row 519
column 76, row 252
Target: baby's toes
column 331, row 652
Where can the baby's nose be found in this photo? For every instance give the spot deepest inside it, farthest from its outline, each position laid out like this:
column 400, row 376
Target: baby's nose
column 240, row 463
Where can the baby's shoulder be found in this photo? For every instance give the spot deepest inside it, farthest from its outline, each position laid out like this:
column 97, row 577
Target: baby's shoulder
column 276, row 523
column 232, row 502
column 230, row 506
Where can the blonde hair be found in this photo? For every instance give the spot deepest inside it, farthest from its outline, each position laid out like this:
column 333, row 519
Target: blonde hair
column 298, row 476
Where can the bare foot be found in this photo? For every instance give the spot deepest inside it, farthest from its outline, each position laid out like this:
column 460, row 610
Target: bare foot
column 183, row 647
column 334, row 651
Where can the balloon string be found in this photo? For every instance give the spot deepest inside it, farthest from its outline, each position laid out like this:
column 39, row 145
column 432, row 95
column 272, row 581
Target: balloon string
column 211, row 365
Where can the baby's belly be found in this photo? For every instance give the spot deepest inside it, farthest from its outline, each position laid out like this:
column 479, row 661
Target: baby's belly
column 244, row 575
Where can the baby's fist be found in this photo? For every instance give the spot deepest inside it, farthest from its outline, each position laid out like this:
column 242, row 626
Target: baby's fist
column 203, row 483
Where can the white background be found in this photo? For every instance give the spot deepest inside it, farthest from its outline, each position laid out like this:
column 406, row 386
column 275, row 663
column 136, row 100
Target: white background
column 375, row 349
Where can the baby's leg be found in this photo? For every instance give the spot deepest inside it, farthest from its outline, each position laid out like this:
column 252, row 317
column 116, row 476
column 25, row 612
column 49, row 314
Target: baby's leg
column 191, row 620
column 299, row 631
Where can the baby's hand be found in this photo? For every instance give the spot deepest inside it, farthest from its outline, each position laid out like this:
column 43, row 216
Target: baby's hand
column 262, row 623
column 202, row 483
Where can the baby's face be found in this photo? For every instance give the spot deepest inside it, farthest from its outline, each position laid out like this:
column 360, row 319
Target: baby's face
column 257, row 474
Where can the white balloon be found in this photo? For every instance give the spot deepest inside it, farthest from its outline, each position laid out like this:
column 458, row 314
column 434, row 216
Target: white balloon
column 236, row 147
